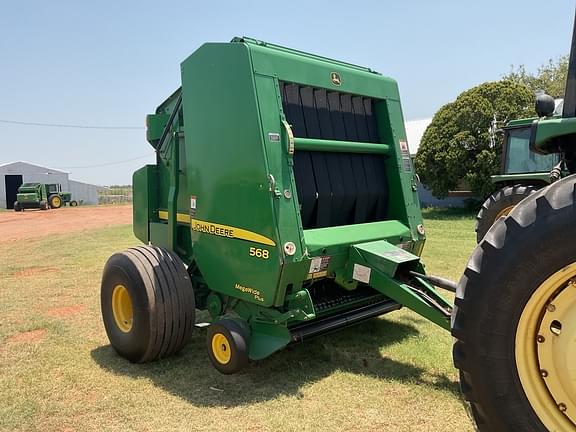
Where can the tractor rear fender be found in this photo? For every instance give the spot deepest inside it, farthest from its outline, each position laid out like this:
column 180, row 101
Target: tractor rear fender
column 551, row 134
column 539, row 179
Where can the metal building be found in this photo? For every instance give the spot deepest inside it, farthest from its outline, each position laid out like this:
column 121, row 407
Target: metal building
column 13, row 174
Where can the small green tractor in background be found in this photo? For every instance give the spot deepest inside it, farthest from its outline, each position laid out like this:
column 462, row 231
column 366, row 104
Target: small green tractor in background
column 283, row 202
column 42, row 196
column 58, row 198
column 523, row 171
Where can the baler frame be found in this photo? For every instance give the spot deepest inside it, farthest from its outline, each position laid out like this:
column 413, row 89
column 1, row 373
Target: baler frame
column 295, row 248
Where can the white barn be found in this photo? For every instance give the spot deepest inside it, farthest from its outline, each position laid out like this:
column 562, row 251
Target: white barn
column 13, row 174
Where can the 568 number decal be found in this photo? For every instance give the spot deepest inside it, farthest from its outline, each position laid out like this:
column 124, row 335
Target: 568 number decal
column 259, row 253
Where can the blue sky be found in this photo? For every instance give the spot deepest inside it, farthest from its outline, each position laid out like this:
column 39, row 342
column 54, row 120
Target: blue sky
column 109, row 63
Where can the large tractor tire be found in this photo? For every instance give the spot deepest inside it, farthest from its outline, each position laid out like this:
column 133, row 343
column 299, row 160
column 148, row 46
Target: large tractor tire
column 55, row 201
column 499, row 204
column 147, row 303
column 515, row 317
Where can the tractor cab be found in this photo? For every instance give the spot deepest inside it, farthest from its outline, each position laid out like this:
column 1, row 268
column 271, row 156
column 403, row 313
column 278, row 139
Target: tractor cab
column 517, row 158
column 53, row 188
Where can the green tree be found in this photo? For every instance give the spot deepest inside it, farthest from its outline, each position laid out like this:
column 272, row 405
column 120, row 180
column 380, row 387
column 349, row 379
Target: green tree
column 456, row 146
column 550, row 77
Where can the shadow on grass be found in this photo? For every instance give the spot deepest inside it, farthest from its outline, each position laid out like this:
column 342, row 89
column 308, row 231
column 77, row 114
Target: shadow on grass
column 446, row 214
column 190, row 375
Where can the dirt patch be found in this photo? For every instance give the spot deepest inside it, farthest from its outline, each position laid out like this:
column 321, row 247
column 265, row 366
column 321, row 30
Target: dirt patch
column 31, row 336
column 33, row 271
column 65, row 311
column 32, row 224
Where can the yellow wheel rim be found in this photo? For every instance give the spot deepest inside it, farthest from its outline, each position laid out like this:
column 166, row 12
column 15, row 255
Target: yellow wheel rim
column 221, row 348
column 504, row 212
column 546, row 350
column 122, row 308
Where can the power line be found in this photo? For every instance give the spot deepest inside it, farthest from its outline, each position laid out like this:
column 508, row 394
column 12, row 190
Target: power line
column 107, row 163
column 62, row 125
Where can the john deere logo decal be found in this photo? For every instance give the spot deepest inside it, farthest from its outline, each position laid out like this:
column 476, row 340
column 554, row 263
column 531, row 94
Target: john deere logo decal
column 335, row 78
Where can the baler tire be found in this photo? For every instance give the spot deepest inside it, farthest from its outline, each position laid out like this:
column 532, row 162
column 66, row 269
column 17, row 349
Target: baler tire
column 55, row 201
column 234, row 337
column 17, row 206
column 73, row 203
column 500, row 372
column 161, row 307
column 43, row 205
column 500, row 203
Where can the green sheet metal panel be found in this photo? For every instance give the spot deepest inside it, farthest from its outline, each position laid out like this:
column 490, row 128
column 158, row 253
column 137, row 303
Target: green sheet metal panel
column 343, row 236
column 303, row 68
column 384, row 256
column 233, row 225
column 289, row 65
column 143, row 201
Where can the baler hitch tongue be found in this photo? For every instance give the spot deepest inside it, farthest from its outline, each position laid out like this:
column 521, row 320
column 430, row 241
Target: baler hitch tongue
column 392, row 271
column 438, row 281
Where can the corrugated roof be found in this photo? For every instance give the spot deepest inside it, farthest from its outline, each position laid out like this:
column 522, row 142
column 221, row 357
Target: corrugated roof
column 34, row 165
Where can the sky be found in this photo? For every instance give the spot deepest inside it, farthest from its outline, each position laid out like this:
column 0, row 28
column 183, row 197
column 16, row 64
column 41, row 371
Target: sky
column 109, row 63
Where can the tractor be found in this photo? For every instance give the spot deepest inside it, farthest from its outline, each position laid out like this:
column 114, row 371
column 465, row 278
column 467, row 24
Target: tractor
column 42, row 196
column 523, row 171
column 283, row 202
column 514, row 319
column 57, row 198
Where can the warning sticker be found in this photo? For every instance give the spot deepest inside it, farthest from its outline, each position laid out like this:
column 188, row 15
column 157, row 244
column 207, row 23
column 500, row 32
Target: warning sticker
column 361, row 273
column 319, row 264
column 193, row 205
column 405, row 151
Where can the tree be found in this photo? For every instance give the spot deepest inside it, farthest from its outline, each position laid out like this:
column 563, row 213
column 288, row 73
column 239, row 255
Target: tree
column 456, row 145
column 550, row 78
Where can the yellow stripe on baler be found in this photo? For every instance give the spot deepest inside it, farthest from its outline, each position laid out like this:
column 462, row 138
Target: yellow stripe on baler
column 219, row 229
column 180, row 217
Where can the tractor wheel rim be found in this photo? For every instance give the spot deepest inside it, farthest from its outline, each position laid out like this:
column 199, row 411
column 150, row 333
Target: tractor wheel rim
column 221, row 348
column 56, row 201
column 122, row 308
column 504, row 212
column 546, row 350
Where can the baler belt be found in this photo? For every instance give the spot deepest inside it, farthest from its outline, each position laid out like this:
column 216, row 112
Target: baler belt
column 317, row 113
column 335, row 188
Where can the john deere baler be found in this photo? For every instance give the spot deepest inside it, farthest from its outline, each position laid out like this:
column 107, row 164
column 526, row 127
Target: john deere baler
column 283, row 201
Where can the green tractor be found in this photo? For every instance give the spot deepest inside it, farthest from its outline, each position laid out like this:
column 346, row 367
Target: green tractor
column 283, row 202
column 42, row 196
column 514, row 319
column 523, row 173
column 57, row 198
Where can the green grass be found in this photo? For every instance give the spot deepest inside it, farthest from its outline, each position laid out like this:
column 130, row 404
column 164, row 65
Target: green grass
column 58, row 372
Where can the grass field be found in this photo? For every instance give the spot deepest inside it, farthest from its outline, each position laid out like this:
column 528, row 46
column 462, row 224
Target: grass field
column 58, row 372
